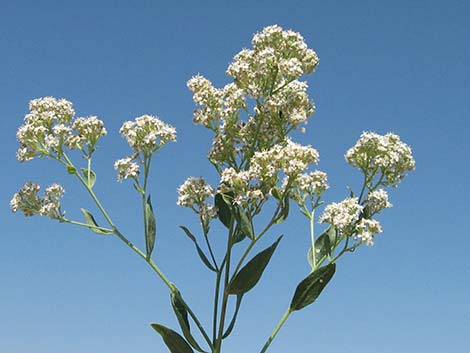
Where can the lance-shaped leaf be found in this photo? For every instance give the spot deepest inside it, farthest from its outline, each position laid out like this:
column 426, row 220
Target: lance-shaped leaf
column 244, row 223
column 234, row 319
column 182, row 315
column 151, row 224
column 201, row 254
column 251, row 273
column 325, row 245
column 90, row 220
column 172, row 339
column 223, row 209
column 90, row 178
column 310, row 288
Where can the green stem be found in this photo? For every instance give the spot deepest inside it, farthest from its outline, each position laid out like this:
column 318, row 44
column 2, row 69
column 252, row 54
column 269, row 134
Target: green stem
column 216, row 305
column 312, row 238
column 276, row 330
column 137, row 250
column 254, row 241
column 223, row 310
column 86, row 225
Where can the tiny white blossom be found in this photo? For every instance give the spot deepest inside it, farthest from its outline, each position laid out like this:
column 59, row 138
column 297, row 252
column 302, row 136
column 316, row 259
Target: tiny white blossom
column 377, row 200
column 126, row 168
column 147, row 133
column 366, row 230
column 194, row 191
column 343, row 214
column 385, row 153
column 30, row 203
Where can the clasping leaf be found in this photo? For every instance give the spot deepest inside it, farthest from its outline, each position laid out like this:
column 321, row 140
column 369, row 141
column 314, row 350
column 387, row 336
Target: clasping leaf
column 310, row 288
column 151, row 225
column 181, row 313
column 90, row 220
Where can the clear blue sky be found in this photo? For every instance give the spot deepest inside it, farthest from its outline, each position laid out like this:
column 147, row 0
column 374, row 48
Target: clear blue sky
column 398, row 66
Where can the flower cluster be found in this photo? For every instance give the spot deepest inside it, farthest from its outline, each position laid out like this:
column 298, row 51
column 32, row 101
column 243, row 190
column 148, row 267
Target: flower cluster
column 193, row 194
column 275, row 50
column 377, row 200
column 216, row 104
column 290, row 157
column 311, row 184
column 256, row 183
column 147, row 134
column 126, row 168
column 386, row 154
column 49, row 128
column 30, row 203
column 342, row 215
column 89, row 130
column 366, row 229
column 243, row 186
column 267, row 73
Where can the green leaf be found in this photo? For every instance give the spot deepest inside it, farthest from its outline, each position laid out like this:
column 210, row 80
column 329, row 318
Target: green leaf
column 325, row 245
column 201, row 254
column 90, row 220
column 251, row 273
column 223, row 210
column 172, row 339
column 310, row 288
column 234, row 319
column 90, row 181
column 71, row 170
column 244, row 222
column 284, row 209
column 182, row 315
column 151, row 224
column 238, row 235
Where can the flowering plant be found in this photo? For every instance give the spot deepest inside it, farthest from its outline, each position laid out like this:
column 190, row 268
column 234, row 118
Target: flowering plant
column 258, row 164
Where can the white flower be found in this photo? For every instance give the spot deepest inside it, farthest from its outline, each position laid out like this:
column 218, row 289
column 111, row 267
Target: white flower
column 147, row 133
column 89, row 129
column 126, row 168
column 367, row 229
column 194, row 191
column 289, row 157
column 387, row 154
column 377, row 200
column 343, row 214
column 30, row 203
column 312, row 183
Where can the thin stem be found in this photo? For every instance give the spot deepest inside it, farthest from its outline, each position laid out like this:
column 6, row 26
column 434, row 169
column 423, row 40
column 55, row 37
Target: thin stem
column 312, row 238
column 137, row 250
column 254, row 241
column 276, row 330
column 216, row 305
column 223, row 310
column 86, row 225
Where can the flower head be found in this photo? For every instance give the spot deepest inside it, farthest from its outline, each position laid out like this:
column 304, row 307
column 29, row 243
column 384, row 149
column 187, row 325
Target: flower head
column 387, row 154
column 30, row 203
column 126, row 168
column 366, row 230
column 377, row 200
column 342, row 215
column 147, row 133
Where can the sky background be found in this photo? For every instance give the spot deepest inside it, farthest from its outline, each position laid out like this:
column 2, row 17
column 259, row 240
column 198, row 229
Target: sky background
column 399, row 66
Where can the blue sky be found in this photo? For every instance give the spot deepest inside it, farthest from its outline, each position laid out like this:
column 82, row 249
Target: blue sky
column 396, row 66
